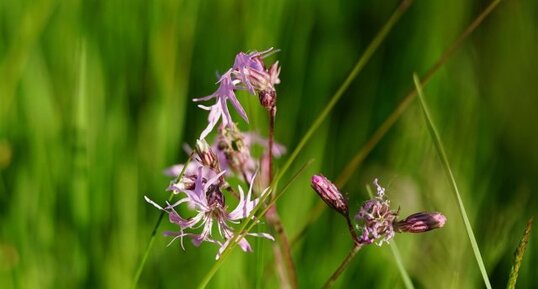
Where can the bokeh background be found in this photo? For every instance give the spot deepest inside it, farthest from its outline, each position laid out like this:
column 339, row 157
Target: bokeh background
column 95, row 101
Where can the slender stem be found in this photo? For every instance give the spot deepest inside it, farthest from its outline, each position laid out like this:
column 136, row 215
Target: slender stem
column 272, row 214
column 351, row 230
column 272, row 114
column 343, row 266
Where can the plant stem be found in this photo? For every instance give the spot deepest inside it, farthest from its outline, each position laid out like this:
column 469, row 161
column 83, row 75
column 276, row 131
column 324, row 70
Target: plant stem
column 272, row 214
column 343, row 266
column 272, row 114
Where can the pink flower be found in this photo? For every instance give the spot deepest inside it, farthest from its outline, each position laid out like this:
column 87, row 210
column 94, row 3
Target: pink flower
column 248, row 72
column 207, row 201
column 377, row 219
column 225, row 93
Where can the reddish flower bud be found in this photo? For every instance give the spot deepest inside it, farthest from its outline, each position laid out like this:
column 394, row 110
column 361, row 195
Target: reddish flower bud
column 330, row 194
column 206, row 156
column 421, row 222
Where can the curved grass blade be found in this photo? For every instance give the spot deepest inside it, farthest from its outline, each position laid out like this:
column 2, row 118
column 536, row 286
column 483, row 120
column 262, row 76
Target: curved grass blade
column 518, row 256
column 444, row 159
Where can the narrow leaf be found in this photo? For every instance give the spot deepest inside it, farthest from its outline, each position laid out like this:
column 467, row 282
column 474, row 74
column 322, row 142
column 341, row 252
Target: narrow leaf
column 444, row 159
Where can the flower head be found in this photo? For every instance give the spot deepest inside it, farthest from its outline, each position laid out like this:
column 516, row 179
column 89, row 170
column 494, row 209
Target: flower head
column 208, row 203
column 250, row 70
column 376, row 219
column 225, row 93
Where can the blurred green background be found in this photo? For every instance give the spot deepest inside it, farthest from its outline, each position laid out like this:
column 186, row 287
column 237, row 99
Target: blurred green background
column 95, row 101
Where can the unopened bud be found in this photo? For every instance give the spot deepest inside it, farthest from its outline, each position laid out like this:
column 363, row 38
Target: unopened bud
column 206, row 156
column 421, row 222
column 330, row 194
column 268, row 98
column 187, row 183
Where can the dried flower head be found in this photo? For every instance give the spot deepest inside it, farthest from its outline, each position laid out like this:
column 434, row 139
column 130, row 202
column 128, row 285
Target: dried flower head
column 376, row 219
column 330, row 194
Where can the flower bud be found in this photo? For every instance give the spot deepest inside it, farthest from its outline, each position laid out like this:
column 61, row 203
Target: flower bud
column 267, row 98
column 330, row 194
column 421, row 222
column 206, row 156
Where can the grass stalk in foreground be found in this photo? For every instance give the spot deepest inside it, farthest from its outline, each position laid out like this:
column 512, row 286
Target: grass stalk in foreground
column 444, row 159
column 154, row 231
column 365, row 57
column 518, row 256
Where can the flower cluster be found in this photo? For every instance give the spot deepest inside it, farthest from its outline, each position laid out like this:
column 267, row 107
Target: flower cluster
column 375, row 221
column 247, row 73
column 202, row 182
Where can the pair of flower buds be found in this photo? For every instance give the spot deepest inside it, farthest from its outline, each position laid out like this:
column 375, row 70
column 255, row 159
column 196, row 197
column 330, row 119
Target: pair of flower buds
column 376, row 222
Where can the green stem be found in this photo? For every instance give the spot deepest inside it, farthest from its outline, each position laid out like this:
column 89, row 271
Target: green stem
column 343, row 266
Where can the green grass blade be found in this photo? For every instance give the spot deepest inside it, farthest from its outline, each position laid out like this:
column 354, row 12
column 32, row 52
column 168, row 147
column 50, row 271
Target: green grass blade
column 518, row 256
column 399, row 263
column 442, row 154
